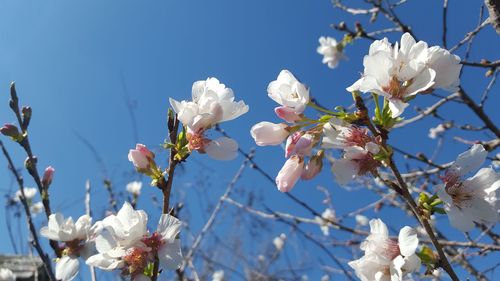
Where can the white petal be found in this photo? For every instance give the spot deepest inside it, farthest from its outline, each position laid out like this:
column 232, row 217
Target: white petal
column 169, row 226
column 408, row 241
column 67, row 268
column 397, row 107
column 421, row 82
column 460, row 220
column 377, row 226
column 470, row 160
column 170, row 254
column 395, row 269
column 222, row 149
column 412, row 263
column 344, row 170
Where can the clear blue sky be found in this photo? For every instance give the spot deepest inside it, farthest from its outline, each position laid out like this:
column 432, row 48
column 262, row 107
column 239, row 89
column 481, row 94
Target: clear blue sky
column 77, row 64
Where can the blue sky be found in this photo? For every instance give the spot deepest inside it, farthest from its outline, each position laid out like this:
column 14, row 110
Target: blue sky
column 79, row 63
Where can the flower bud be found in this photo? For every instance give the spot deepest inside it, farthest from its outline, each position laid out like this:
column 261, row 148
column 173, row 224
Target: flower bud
column 26, row 111
column 313, row 167
column 267, row 133
column 298, row 144
column 47, row 176
column 290, row 173
column 11, row 131
column 141, row 157
column 287, row 113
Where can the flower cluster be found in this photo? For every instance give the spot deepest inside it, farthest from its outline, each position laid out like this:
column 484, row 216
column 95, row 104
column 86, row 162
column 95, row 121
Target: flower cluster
column 293, row 98
column 387, row 259
column 331, row 50
column 400, row 72
column 474, row 199
column 118, row 242
column 211, row 104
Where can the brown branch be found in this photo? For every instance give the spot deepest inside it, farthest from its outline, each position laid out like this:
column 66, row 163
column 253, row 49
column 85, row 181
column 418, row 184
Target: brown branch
column 36, row 242
column 493, row 7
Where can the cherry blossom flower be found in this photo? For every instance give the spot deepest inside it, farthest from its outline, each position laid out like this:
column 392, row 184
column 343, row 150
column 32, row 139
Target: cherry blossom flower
column 267, row 133
column 473, row 199
column 386, row 259
column 397, row 73
column 7, row 275
column 287, row 113
column 324, row 222
column 36, row 208
column 48, row 175
column 77, row 239
column 125, row 243
column 336, row 134
column 299, row 144
column 142, row 158
column 361, row 220
column 279, row 242
column 331, row 51
column 212, row 103
column 134, row 188
column 118, row 236
column 29, row 194
column 290, row 173
column 355, row 162
column 288, row 91
column 218, row 275
column 437, row 131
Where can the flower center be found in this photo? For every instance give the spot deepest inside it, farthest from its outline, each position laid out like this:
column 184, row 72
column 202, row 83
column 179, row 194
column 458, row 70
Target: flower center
column 392, row 249
column 154, row 241
column 456, row 189
column 366, row 164
column 197, row 141
column 136, row 260
column 357, row 136
column 73, row 246
column 396, row 88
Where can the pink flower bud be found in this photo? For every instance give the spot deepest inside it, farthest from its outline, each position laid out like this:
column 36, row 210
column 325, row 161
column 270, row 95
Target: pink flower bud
column 267, row 133
column 298, row 144
column 48, row 176
column 287, row 113
column 141, row 157
column 290, row 173
column 10, row 130
column 313, row 167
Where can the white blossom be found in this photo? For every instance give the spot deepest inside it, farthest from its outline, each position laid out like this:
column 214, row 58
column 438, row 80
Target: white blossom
column 327, row 216
column 77, row 237
column 356, row 161
column 29, row 194
column 36, row 208
column 361, row 220
column 267, row 133
column 218, row 275
column 288, row 91
column 125, row 243
column 473, row 199
column 212, row 103
column 7, row 275
column 279, row 241
column 290, row 173
column 331, row 51
column 398, row 73
column 134, row 188
column 437, row 131
column 386, row 259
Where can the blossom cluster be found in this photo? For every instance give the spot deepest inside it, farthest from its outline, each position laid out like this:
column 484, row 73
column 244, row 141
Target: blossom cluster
column 118, row 242
column 293, row 98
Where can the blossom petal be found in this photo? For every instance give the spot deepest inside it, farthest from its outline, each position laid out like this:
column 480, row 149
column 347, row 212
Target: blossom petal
column 408, row 241
column 170, row 254
column 344, row 170
column 67, row 268
column 169, row 226
column 470, row 160
column 460, row 220
column 222, row 149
